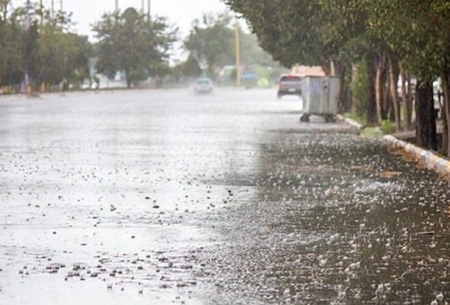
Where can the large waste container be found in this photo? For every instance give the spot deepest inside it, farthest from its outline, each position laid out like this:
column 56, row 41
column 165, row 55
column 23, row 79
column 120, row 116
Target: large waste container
column 320, row 97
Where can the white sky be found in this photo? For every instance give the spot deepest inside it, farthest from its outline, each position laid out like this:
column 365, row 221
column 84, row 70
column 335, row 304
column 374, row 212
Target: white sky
column 179, row 12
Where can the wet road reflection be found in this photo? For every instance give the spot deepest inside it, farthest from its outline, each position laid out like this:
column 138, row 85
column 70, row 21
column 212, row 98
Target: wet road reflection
column 165, row 197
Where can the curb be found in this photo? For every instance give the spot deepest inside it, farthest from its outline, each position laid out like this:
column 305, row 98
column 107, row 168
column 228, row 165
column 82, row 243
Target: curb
column 349, row 122
column 429, row 158
column 12, row 97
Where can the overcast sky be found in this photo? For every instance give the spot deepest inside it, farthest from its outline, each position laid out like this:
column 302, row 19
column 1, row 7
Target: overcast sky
column 180, row 12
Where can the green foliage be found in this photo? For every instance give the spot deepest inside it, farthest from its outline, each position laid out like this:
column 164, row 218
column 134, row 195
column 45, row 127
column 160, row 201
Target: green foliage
column 211, row 42
column 359, row 89
column 191, row 68
column 132, row 43
column 387, row 127
column 45, row 48
column 355, row 117
column 290, row 30
column 371, row 132
column 251, row 52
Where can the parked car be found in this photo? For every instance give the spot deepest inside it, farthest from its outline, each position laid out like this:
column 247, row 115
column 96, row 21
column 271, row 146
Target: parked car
column 203, row 85
column 289, row 84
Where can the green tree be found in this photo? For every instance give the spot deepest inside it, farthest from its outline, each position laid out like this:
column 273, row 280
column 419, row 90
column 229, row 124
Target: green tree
column 393, row 36
column 299, row 32
column 252, row 53
column 42, row 46
column 12, row 47
column 191, row 68
column 416, row 31
column 211, row 42
column 290, row 30
column 132, row 43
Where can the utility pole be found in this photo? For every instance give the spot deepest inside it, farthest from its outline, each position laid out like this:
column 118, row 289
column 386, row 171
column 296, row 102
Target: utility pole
column 143, row 6
column 117, row 5
column 149, row 9
column 238, row 54
column 61, row 5
column 53, row 9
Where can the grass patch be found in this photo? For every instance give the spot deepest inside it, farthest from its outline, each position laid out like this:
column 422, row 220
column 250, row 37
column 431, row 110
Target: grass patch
column 387, row 127
column 355, row 117
column 371, row 132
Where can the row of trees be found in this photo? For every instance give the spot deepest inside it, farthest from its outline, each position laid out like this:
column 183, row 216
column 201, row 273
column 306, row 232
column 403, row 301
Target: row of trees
column 37, row 44
column 40, row 49
column 141, row 47
column 379, row 40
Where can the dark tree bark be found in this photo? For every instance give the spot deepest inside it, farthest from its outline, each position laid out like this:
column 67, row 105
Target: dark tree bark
column 345, row 94
column 344, row 89
column 393, row 80
column 407, row 101
column 426, row 135
column 446, row 113
column 379, row 86
column 371, row 114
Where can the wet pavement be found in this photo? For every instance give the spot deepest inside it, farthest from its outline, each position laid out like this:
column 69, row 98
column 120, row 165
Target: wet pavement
column 164, row 197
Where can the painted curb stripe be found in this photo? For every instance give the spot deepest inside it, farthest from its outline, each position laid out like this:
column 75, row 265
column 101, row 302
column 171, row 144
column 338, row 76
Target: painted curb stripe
column 432, row 160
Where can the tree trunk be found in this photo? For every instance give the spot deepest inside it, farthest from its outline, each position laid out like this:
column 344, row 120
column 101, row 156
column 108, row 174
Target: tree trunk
column 393, row 79
column 340, row 69
column 326, row 68
column 5, row 10
column 445, row 131
column 371, row 96
column 333, row 68
column 345, row 98
column 388, row 105
column 379, row 88
column 407, row 102
column 388, row 113
column 446, row 115
column 426, row 135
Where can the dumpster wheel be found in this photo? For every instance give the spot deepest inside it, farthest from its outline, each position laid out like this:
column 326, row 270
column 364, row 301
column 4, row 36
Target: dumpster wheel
column 330, row 118
column 304, row 118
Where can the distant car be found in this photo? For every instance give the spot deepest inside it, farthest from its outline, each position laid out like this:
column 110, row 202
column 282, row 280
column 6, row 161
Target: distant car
column 289, row 84
column 203, row 85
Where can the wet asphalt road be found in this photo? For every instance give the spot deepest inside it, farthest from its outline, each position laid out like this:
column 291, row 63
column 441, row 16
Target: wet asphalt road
column 164, row 197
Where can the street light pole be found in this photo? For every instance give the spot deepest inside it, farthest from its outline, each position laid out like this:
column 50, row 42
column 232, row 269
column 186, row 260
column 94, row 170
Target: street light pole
column 238, row 54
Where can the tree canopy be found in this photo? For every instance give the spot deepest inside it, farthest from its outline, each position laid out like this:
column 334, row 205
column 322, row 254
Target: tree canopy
column 39, row 44
column 132, row 43
column 212, row 43
column 392, row 36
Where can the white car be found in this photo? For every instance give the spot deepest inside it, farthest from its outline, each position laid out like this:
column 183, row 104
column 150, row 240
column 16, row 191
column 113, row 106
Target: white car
column 203, row 85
